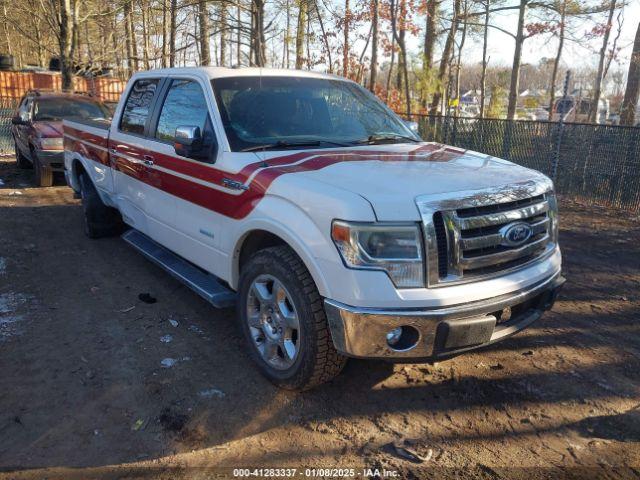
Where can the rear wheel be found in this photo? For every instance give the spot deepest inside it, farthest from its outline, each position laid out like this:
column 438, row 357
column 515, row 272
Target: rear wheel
column 22, row 161
column 284, row 322
column 44, row 174
column 98, row 219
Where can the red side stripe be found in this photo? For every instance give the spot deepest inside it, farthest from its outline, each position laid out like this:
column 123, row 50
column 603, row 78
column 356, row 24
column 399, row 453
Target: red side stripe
column 240, row 205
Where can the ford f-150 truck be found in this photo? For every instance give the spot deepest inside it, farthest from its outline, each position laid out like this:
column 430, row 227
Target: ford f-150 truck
column 334, row 229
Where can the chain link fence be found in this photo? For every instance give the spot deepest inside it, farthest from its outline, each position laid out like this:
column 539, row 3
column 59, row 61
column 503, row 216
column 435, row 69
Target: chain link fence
column 596, row 163
column 8, row 107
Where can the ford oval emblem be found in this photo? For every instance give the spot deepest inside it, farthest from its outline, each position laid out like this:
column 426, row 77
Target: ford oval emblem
column 515, row 234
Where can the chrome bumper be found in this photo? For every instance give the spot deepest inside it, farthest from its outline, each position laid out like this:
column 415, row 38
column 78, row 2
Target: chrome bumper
column 440, row 332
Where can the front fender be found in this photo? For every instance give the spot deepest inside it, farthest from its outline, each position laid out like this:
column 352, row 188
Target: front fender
column 306, row 230
column 297, row 239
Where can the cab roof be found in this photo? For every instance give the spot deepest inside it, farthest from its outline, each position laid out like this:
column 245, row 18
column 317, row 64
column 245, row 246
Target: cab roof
column 221, row 72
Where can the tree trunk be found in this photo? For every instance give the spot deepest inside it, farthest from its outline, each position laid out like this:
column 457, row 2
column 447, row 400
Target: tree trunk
column 300, row 32
column 556, row 61
column 459, row 65
column 517, row 57
column 257, row 34
column 129, row 38
column 398, row 30
column 203, row 20
column 66, row 41
column 393, row 58
column 165, row 33
column 597, row 90
column 223, row 33
column 345, row 49
column 446, row 57
column 6, row 29
column 239, row 35
column 173, row 10
column 631, row 94
column 373, row 77
column 287, row 36
column 483, row 75
column 430, row 34
column 325, row 38
column 145, row 34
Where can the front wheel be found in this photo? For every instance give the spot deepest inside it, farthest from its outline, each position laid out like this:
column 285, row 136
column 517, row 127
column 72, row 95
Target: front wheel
column 44, row 174
column 284, row 322
column 22, row 161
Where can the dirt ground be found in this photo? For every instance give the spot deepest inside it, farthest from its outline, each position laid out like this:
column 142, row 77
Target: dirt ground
column 84, row 393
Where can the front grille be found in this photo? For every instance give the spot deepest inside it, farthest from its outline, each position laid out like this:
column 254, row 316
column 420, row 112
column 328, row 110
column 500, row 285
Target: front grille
column 474, row 241
column 441, row 239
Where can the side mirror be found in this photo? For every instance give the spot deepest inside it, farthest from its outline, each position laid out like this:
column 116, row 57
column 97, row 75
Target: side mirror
column 413, row 126
column 187, row 141
column 18, row 120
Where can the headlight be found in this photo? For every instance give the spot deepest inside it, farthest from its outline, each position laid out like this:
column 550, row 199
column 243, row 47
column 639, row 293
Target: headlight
column 394, row 249
column 51, row 143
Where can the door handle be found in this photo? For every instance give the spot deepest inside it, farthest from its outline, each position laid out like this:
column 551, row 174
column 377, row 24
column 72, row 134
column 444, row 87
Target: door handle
column 147, row 160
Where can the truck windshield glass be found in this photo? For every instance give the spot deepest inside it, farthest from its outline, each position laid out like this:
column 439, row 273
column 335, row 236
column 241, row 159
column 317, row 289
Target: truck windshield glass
column 310, row 112
column 59, row 108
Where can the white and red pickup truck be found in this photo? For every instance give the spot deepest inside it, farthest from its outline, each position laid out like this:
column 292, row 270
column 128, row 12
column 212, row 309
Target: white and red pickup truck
column 332, row 226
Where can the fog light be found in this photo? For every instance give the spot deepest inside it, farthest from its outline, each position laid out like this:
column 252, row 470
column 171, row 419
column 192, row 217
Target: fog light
column 402, row 339
column 393, row 337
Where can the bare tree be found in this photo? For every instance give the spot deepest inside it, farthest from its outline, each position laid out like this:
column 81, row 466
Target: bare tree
column 517, row 60
column 257, row 33
column 66, row 18
column 345, row 48
column 173, row 12
column 203, row 19
column 485, row 60
column 300, row 32
column 632, row 92
column 597, row 89
column 446, row 58
column 562, row 9
column 373, row 77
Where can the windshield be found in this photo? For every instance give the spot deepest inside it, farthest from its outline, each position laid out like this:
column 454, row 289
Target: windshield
column 57, row 108
column 303, row 112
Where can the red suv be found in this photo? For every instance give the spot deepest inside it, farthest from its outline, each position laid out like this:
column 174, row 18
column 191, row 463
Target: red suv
column 37, row 129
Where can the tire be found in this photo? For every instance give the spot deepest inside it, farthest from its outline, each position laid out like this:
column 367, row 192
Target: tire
column 22, row 161
column 316, row 360
column 43, row 173
column 98, row 220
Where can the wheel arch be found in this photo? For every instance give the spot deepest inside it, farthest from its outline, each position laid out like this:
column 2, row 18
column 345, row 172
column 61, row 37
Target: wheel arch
column 267, row 234
column 77, row 169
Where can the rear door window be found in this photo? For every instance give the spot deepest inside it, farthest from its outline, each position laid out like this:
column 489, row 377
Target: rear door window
column 138, row 107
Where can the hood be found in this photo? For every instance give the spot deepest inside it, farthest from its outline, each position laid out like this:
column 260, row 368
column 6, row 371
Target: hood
column 48, row 129
column 390, row 177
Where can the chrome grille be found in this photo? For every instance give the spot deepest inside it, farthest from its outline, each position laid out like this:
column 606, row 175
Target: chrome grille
column 469, row 239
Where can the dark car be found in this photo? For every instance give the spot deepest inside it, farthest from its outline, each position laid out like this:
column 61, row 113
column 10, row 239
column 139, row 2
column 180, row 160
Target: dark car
column 37, row 129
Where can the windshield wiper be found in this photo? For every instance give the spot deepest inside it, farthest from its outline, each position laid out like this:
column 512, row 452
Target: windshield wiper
column 285, row 144
column 377, row 138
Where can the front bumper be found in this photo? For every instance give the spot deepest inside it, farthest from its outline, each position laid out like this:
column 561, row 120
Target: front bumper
column 438, row 333
column 52, row 158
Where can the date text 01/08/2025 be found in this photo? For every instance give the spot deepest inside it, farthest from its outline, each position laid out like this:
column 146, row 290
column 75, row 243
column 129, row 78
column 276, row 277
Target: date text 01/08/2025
column 315, row 472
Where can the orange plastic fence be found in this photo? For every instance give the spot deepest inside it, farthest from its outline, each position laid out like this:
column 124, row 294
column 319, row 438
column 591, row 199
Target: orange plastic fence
column 16, row 84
